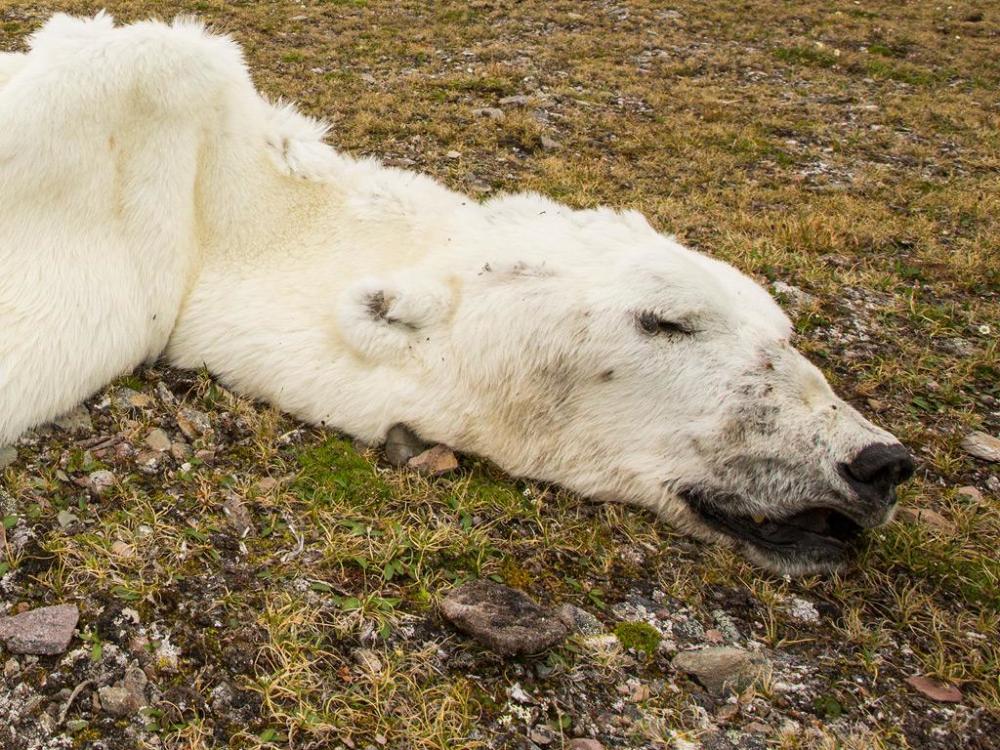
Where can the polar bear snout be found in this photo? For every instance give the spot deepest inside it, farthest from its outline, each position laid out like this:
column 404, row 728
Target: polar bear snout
column 875, row 472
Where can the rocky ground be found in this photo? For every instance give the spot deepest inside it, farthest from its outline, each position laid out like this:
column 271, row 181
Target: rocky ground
column 226, row 577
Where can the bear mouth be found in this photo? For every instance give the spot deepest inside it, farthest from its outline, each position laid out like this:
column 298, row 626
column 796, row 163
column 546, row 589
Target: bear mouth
column 818, row 534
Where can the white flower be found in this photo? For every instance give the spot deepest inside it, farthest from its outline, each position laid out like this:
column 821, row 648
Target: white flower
column 985, row 330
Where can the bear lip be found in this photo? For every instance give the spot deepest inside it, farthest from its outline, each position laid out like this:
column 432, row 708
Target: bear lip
column 811, row 530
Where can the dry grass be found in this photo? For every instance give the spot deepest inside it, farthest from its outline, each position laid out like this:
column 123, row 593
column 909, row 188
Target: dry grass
column 851, row 150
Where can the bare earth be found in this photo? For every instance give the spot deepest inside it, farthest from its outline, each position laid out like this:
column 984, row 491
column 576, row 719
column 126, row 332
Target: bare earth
column 244, row 581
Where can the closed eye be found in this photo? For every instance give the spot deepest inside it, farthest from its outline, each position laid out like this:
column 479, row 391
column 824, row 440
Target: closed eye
column 652, row 324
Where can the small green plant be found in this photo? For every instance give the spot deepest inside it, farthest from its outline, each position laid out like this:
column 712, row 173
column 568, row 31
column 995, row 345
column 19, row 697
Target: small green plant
column 639, row 636
column 827, row 707
column 806, row 56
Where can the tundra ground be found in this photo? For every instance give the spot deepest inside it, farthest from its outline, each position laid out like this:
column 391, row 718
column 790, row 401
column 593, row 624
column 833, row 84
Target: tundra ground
column 279, row 585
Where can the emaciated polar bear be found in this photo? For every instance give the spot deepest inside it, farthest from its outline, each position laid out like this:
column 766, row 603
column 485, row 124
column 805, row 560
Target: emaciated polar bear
column 151, row 202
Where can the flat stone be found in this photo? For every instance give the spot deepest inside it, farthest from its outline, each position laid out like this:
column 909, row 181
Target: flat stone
column 494, row 113
column 434, row 461
column 580, row 620
column 971, row 492
column 935, row 689
column 796, row 297
column 158, row 440
column 959, row 347
column 180, row 450
column 166, row 396
column 127, row 398
column 193, row 423
column 503, row 619
column 802, row 610
column 585, row 744
column 100, row 481
column 720, row 669
column 76, row 422
column 402, row 444
column 238, row 516
column 149, row 462
column 983, row 446
column 118, row 701
column 126, row 698
column 926, row 517
column 45, row 631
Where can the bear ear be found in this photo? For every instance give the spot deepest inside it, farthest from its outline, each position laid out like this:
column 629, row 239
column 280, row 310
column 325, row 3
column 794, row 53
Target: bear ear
column 382, row 318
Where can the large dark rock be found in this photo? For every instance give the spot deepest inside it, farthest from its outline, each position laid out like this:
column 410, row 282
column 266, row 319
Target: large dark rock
column 503, row 619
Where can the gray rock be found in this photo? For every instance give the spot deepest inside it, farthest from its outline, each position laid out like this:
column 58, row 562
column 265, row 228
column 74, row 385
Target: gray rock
column 802, row 610
column 118, row 701
column 76, row 422
column 796, row 297
column 126, row 398
column 721, row 668
column 580, row 620
column 494, row 113
column 101, row 481
column 66, row 519
column 158, row 440
column 503, row 619
column 959, row 347
column 982, row 445
column 402, row 444
column 585, row 744
column 193, row 423
column 689, row 629
column 8, row 455
column 126, row 698
column 726, row 625
column 238, row 516
column 166, row 396
column 149, row 462
column 44, row 632
column 434, row 461
column 180, row 450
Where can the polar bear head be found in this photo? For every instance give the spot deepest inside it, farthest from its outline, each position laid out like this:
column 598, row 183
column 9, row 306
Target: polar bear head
column 586, row 349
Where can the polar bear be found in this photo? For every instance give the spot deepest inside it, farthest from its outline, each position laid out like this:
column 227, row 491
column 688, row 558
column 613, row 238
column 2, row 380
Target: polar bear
column 152, row 204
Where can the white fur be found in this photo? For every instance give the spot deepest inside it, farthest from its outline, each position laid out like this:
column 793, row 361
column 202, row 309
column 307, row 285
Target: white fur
column 148, row 192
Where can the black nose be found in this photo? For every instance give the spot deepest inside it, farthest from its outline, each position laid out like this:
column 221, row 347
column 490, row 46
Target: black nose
column 877, row 469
